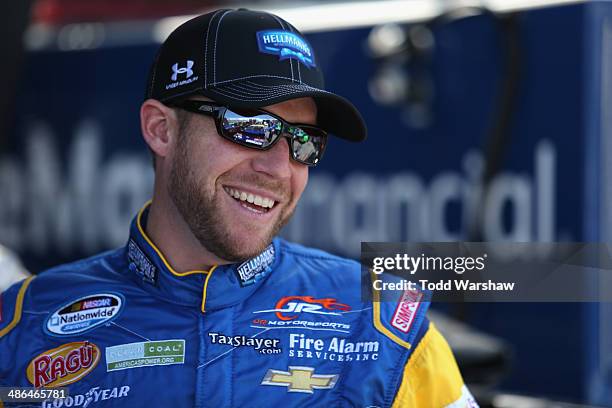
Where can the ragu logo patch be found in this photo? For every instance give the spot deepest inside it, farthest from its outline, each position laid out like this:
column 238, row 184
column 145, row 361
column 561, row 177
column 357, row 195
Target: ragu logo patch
column 288, row 305
column 406, row 310
column 63, row 365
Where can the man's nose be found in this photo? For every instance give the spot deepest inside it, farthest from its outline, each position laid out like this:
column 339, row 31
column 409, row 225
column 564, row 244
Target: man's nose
column 275, row 161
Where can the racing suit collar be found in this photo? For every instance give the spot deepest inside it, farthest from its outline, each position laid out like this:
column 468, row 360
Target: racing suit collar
column 221, row 286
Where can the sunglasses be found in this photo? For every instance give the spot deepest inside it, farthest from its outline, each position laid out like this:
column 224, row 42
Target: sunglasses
column 259, row 129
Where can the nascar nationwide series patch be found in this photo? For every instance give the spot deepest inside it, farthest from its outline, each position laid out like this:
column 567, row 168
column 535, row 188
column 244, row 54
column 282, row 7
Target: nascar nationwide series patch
column 63, row 365
column 84, row 314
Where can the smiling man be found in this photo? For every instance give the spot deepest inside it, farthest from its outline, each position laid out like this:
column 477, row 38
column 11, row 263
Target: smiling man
column 227, row 200
column 204, row 306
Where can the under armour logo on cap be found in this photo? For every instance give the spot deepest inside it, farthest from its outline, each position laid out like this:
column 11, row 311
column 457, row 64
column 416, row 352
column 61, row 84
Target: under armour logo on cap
column 184, row 70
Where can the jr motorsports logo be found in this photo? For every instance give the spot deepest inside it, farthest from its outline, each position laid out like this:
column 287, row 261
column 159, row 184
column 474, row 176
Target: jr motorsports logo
column 145, row 354
column 84, row 314
column 297, row 312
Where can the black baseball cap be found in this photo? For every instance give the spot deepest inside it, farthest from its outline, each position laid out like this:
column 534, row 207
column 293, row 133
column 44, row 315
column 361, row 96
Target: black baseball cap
column 247, row 59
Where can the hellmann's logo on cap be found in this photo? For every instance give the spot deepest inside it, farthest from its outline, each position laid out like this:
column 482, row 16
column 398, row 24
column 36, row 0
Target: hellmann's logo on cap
column 286, row 45
column 63, row 365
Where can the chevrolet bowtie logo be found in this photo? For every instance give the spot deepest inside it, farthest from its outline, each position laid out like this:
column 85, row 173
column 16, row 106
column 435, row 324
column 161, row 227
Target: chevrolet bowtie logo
column 300, row 379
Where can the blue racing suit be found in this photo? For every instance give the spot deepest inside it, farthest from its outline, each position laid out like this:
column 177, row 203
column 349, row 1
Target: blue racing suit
column 288, row 328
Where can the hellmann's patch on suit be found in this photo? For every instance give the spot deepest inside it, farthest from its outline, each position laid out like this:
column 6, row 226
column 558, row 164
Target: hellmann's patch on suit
column 255, row 268
column 141, row 264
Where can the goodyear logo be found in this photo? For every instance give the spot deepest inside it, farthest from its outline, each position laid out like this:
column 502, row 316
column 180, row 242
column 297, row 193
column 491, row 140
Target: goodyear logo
column 63, row 365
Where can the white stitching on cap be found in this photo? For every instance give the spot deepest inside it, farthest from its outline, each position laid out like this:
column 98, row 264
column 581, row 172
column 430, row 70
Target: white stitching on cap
column 298, row 63
column 301, row 87
column 253, row 76
column 248, row 95
column 154, row 72
column 250, row 87
column 283, row 92
column 259, row 91
column 299, row 73
column 206, row 49
column 285, row 85
column 265, row 88
column 215, row 50
column 244, row 97
column 290, row 59
column 233, row 88
column 249, row 92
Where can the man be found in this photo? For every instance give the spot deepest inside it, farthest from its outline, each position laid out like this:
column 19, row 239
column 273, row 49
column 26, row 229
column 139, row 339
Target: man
column 204, row 307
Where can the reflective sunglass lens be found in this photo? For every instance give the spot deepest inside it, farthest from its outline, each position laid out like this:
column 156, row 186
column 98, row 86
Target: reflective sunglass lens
column 307, row 148
column 257, row 131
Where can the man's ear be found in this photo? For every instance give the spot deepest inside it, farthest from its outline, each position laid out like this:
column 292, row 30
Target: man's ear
column 159, row 126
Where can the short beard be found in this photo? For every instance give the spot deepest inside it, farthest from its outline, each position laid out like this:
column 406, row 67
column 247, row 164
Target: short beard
column 200, row 212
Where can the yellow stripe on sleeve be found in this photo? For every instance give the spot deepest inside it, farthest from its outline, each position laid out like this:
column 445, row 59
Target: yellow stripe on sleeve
column 378, row 324
column 431, row 377
column 18, row 307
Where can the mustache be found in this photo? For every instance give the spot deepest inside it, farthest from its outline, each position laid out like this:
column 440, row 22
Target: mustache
column 278, row 187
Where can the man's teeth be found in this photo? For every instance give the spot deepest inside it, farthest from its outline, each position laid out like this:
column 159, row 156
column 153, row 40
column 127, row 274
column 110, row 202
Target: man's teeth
column 251, row 198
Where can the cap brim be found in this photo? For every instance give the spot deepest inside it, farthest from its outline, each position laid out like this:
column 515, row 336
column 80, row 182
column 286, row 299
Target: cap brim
column 335, row 114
